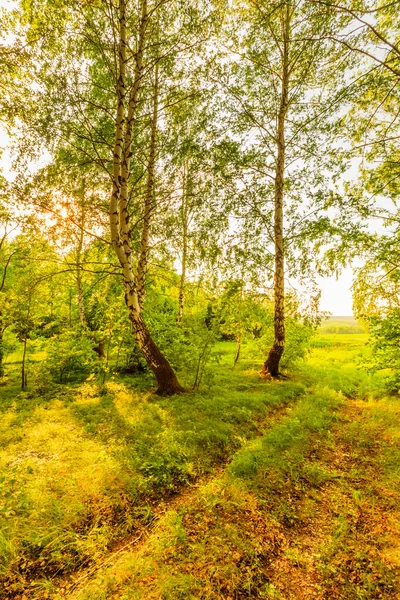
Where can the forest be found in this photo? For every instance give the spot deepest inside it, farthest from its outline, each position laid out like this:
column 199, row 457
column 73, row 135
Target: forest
column 179, row 417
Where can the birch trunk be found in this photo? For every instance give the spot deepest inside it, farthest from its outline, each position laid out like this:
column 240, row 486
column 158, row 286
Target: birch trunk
column 238, row 349
column 184, row 211
column 271, row 365
column 119, row 214
column 1, row 345
column 79, row 285
column 24, row 379
column 149, row 203
column 181, row 297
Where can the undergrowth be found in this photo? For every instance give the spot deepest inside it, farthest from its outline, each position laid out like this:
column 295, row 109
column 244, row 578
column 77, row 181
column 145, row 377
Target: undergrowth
column 85, row 466
column 305, row 505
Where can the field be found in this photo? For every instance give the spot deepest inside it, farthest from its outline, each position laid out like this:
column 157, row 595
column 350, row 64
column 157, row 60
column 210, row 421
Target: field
column 341, row 325
column 245, row 489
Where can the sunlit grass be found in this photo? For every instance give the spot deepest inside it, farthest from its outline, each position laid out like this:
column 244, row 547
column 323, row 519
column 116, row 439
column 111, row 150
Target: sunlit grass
column 85, row 466
column 238, row 535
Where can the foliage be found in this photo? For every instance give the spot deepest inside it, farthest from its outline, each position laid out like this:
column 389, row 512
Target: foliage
column 9, row 345
column 69, row 356
column 241, row 311
column 385, row 343
column 299, row 336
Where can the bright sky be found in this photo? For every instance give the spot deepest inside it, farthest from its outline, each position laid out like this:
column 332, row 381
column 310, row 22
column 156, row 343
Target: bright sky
column 336, row 293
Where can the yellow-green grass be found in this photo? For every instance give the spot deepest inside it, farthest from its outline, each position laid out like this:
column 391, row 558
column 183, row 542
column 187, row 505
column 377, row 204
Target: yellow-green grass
column 86, row 466
column 339, row 340
column 309, row 510
column 83, row 466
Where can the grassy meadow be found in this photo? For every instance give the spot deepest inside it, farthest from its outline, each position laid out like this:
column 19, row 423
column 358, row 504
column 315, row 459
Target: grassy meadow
column 248, row 488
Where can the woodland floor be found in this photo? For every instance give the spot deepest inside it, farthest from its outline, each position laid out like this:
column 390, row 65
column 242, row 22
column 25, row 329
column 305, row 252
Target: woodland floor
column 251, row 489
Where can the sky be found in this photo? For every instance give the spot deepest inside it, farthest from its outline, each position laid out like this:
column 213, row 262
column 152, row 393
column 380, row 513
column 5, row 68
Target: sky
column 336, row 293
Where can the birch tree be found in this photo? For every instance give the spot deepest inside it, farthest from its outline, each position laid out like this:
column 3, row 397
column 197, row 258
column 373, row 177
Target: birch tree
column 126, row 114
column 284, row 99
column 108, row 67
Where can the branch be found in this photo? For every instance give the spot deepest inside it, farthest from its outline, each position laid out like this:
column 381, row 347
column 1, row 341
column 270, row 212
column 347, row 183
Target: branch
column 5, row 270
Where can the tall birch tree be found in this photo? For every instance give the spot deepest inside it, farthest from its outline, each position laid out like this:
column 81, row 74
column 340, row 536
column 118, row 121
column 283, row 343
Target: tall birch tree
column 100, row 69
column 281, row 81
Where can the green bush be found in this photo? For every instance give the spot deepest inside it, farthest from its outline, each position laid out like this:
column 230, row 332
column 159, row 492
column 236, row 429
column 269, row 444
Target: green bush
column 69, row 357
column 298, row 341
column 189, row 347
column 385, row 345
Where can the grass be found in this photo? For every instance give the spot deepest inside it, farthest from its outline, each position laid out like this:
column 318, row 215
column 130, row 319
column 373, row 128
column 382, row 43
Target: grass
column 85, row 465
column 361, row 559
column 250, row 489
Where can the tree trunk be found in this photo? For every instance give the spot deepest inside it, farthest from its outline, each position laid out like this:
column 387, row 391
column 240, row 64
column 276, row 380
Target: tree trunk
column 99, row 348
column 271, row 365
column 167, row 381
column 70, row 308
column 24, row 379
column 118, row 353
column 184, row 211
column 119, row 214
column 149, row 204
column 2, row 284
column 181, row 297
column 81, row 298
column 238, row 348
column 1, row 345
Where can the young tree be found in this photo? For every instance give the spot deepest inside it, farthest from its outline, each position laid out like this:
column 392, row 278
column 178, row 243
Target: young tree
column 284, row 102
column 242, row 312
column 6, row 256
column 85, row 120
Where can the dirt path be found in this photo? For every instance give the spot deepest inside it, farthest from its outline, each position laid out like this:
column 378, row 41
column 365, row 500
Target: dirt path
column 344, row 543
column 348, row 545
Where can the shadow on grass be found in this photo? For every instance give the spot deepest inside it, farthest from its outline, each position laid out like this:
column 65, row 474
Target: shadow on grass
column 170, row 441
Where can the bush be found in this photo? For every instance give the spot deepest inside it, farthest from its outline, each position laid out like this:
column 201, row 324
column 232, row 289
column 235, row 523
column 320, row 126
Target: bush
column 298, row 341
column 189, row 347
column 385, row 356
column 194, row 351
column 42, row 380
column 69, row 357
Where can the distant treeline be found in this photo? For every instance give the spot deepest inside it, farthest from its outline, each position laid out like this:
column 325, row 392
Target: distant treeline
column 342, row 329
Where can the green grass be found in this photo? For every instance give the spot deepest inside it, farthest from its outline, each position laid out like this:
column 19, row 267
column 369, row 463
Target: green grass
column 84, row 465
column 335, row 340
column 281, row 521
column 295, row 495
column 237, row 519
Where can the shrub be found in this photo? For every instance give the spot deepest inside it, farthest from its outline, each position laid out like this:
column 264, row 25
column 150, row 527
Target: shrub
column 298, row 341
column 69, row 357
column 385, row 336
column 189, row 347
